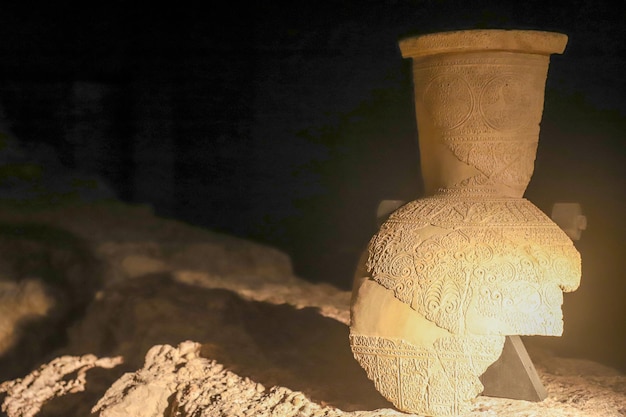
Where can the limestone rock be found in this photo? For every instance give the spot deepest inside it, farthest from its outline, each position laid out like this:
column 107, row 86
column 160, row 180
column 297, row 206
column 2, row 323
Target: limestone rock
column 47, row 277
column 271, row 342
column 184, row 380
column 114, row 231
column 25, row 396
column 178, row 381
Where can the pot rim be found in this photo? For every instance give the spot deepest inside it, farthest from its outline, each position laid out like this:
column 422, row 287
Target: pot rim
column 484, row 40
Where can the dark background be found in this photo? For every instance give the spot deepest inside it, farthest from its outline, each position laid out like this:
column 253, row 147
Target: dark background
column 287, row 123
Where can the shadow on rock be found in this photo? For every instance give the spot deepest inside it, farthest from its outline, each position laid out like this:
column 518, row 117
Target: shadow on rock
column 270, row 344
column 48, row 276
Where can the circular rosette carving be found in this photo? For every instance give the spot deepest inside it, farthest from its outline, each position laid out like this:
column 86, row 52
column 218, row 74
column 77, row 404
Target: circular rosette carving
column 510, row 102
column 564, row 270
column 449, row 101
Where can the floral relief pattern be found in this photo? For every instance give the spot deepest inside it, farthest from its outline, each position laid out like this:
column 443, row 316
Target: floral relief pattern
column 498, row 258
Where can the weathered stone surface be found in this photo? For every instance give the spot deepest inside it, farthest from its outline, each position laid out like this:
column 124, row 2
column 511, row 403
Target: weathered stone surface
column 130, row 242
column 128, row 252
column 25, row 396
column 186, row 381
column 179, row 381
column 113, row 231
column 47, row 276
column 189, row 384
column 274, row 344
column 472, row 261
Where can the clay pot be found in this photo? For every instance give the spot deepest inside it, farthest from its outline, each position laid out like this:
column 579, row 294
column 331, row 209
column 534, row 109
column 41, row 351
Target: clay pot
column 478, row 100
column 449, row 275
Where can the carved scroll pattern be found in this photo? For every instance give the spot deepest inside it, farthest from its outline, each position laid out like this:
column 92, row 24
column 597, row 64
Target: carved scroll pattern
column 512, row 271
column 436, row 380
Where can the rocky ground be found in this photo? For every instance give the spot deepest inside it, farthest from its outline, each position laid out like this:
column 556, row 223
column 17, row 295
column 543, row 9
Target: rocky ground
column 206, row 325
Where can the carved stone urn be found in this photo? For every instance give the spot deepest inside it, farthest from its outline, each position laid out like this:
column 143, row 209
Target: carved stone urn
column 448, row 276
